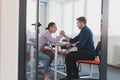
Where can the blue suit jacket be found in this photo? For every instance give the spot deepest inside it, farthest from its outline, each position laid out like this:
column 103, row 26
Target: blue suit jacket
column 85, row 41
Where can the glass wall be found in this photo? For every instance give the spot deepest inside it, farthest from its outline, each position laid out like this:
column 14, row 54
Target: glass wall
column 94, row 15
column 64, row 14
column 91, row 9
column 54, row 14
column 72, row 10
column 30, row 49
column 31, row 36
column 78, row 11
column 68, row 13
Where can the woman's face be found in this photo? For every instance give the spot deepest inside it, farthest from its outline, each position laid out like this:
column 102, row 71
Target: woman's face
column 53, row 29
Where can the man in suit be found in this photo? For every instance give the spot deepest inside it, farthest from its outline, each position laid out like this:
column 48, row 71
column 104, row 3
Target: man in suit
column 85, row 49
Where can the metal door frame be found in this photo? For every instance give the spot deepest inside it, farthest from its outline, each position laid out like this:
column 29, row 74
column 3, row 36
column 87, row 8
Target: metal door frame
column 22, row 38
column 104, row 39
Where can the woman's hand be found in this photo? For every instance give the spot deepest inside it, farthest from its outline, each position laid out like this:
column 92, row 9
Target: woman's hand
column 62, row 33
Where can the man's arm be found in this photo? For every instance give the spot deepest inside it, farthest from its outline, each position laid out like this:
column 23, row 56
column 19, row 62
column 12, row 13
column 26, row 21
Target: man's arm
column 67, row 38
column 74, row 40
column 83, row 39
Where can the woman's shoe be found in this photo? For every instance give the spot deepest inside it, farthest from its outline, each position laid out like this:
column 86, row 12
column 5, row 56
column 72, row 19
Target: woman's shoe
column 47, row 77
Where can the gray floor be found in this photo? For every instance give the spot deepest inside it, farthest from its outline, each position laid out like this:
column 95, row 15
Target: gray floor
column 112, row 74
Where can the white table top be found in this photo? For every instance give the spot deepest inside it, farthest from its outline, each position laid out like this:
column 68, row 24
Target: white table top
column 59, row 44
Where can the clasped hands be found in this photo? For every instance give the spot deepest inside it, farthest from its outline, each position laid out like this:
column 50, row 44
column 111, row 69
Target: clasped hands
column 68, row 45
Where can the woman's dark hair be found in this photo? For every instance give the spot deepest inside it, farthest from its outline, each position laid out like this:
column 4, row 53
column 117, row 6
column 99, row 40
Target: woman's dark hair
column 82, row 19
column 51, row 24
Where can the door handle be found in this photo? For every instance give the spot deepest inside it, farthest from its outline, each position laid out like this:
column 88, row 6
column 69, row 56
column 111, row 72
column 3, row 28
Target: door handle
column 39, row 24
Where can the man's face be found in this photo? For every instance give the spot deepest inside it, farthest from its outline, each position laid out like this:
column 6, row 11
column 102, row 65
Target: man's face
column 80, row 24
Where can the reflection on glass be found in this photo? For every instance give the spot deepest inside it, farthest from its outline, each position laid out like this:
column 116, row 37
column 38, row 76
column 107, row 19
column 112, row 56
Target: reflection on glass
column 30, row 46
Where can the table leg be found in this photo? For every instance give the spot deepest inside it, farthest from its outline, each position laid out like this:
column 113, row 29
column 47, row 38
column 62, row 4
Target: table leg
column 56, row 50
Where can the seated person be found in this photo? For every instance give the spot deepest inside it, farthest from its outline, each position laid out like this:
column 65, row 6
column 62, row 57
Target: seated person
column 44, row 38
column 85, row 46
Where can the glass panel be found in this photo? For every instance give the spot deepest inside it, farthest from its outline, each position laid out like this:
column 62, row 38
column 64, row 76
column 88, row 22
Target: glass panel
column 54, row 14
column 42, row 17
column 30, row 54
column 94, row 18
column 94, row 15
column 68, row 18
column 114, row 41
column 78, row 11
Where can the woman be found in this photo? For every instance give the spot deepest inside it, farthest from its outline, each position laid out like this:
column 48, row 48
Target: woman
column 44, row 38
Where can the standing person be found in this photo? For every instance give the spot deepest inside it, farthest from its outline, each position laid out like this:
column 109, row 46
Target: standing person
column 85, row 46
column 44, row 38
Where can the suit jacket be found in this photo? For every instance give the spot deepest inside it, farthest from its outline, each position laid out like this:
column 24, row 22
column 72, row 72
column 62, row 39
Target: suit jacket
column 84, row 41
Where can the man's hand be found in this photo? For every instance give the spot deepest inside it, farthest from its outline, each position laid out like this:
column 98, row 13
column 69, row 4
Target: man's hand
column 68, row 45
column 66, row 37
column 73, row 45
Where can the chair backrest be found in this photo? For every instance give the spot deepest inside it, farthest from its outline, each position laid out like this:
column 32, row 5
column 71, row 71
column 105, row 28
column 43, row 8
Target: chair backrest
column 98, row 48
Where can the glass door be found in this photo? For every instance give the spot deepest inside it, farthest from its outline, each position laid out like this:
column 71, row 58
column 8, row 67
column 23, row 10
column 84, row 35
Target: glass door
column 32, row 19
column 28, row 30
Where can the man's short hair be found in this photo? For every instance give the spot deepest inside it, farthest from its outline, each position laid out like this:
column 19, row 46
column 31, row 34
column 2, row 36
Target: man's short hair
column 82, row 19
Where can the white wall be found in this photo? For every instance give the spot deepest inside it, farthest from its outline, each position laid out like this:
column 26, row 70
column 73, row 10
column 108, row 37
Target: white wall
column 9, row 40
column 0, row 38
column 114, row 16
column 112, row 42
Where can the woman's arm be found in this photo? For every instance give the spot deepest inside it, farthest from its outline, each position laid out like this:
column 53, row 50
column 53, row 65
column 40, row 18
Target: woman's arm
column 53, row 40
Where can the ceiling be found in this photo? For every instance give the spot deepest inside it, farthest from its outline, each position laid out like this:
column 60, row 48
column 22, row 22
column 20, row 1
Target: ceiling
column 45, row 1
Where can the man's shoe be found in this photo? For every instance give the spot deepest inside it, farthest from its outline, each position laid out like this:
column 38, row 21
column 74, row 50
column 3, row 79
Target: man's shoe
column 76, row 77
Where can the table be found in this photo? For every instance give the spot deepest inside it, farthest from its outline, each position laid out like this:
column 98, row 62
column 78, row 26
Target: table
column 55, row 69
